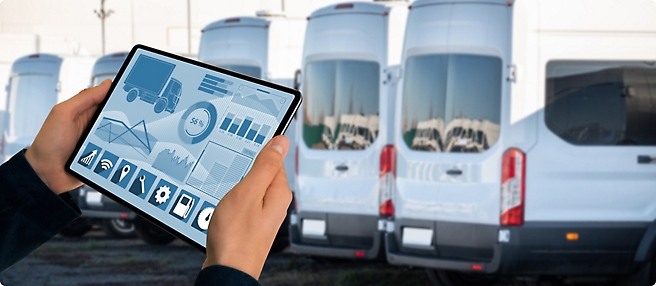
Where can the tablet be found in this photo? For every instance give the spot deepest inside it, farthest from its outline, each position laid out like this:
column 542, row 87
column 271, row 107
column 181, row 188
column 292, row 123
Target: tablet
column 175, row 135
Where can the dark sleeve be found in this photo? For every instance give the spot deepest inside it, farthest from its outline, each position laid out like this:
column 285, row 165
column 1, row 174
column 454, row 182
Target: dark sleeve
column 30, row 213
column 224, row 275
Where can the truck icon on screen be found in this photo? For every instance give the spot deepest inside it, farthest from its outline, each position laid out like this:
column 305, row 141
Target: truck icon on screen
column 146, row 80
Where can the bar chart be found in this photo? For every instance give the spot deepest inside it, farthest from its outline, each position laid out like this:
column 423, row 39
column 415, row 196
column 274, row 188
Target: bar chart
column 245, row 128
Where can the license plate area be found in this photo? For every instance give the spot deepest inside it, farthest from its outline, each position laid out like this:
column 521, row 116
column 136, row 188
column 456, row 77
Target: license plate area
column 94, row 198
column 417, row 237
column 314, row 228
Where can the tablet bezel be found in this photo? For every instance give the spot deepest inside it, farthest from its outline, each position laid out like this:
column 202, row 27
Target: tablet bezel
column 282, row 127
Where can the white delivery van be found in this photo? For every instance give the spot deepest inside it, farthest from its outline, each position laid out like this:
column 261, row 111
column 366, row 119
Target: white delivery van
column 350, row 66
column 525, row 137
column 36, row 83
column 268, row 47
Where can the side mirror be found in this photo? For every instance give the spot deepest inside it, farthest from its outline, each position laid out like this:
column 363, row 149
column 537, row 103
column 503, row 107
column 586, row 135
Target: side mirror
column 297, row 79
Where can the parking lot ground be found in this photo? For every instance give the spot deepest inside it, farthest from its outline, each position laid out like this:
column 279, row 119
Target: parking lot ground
column 97, row 260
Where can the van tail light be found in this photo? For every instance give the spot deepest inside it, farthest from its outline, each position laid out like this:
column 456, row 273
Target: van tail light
column 296, row 161
column 387, row 177
column 513, row 181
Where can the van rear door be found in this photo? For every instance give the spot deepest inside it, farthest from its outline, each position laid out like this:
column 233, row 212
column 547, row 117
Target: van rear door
column 454, row 95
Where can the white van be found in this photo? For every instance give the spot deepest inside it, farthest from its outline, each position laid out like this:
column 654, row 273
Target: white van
column 347, row 83
column 36, row 83
column 544, row 114
column 268, row 47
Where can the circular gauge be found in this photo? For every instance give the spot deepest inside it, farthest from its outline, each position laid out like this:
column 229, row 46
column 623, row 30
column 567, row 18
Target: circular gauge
column 197, row 122
column 204, row 218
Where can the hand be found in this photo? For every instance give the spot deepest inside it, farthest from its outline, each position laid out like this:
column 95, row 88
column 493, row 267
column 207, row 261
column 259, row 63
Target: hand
column 57, row 138
column 247, row 219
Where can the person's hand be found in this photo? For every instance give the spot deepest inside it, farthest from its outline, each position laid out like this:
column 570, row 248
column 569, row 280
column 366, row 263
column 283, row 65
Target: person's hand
column 245, row 222
column 57, row 138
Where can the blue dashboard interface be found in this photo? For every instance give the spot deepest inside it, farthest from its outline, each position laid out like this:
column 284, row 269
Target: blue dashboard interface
column 174, row 138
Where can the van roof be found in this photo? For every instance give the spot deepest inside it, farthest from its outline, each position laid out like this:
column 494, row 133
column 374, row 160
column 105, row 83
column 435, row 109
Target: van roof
column 40, row 57
column 237, row 21
column 351, row 8
column 420, row 3
column 120, row 56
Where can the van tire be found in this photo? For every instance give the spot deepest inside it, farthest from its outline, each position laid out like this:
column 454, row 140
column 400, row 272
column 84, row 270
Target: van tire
column 452, row 278
column 132, row 95
column 160, row 104
column 118, row 228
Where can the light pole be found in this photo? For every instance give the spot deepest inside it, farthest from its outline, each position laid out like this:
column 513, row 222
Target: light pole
column 103, row 14
column 189, row 27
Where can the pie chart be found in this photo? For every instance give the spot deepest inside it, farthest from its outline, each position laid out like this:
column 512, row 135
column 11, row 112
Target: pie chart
column 197, row 122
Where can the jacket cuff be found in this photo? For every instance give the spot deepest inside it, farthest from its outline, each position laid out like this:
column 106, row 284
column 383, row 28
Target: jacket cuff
column 46, row 209
column 224, row 275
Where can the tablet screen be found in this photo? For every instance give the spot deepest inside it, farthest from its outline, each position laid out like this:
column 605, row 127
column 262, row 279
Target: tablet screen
column 173, row 138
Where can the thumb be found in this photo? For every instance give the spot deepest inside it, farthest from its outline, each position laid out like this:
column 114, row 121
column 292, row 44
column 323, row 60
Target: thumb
column 89, row 97
column 266, row 166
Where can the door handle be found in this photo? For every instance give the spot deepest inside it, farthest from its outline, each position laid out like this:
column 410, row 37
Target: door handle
column 454, row 172
column 646, row 159
column 341, row 168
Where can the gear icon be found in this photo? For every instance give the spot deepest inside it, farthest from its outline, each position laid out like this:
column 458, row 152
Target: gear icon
column 162, row 194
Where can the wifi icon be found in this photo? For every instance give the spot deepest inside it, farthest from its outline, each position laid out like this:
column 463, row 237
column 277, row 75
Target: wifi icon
column 106, row 164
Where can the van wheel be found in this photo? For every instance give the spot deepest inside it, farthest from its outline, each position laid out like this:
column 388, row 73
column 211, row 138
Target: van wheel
column 452, row 278
column 160, row 104
column 132, row 95
column 118, row 228
column 152, row 234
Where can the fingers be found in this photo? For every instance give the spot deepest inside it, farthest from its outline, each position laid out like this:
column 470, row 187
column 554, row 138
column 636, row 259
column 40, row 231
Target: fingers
column 278, row 195
column 267, row 165
column 89, row 97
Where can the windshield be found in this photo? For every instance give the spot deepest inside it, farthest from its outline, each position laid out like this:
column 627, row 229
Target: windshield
column 602, row 103
column 341, row 104
column 31, row 96
column 451, row 102
column 253, row 71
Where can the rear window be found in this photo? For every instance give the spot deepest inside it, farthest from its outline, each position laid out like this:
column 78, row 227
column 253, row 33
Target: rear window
column 31, row 96
column 100, row 78
column 451, row 102
column 253, row 71
column 341, row 104
column 602, row 103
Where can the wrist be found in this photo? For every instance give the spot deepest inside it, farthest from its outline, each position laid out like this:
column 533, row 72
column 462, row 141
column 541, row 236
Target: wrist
column 43, row 172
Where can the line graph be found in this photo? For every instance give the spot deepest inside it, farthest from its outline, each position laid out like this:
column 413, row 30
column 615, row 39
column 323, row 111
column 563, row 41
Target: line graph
column 116, row 131
column 259, row 100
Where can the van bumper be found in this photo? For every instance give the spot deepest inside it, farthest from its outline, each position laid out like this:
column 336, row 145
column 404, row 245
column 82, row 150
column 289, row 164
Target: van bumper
column 542, row 248
column 340, row 245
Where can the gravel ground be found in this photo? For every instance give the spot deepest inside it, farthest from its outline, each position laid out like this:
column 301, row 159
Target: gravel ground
column 97, row 260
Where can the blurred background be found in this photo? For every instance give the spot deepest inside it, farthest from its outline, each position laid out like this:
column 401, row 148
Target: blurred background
column 440, row 142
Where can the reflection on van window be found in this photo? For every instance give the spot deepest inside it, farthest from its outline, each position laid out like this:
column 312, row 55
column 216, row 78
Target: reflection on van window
column 602, row 103
column 99, row 78
column 31, row 96
column 253, row 71
column 341, row 104
column 451, row 102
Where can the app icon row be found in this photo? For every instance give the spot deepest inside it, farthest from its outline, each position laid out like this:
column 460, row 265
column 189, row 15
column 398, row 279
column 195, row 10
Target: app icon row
column 142, row 183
